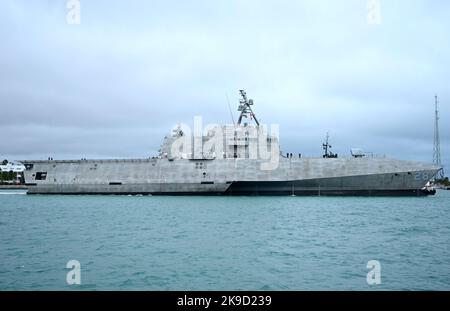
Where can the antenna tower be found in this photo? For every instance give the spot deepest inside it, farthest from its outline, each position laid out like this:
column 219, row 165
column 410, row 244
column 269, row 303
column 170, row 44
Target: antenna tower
column 437, row 140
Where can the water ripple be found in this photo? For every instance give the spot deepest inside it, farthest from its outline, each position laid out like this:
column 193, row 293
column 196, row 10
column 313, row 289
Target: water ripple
column 224, row 243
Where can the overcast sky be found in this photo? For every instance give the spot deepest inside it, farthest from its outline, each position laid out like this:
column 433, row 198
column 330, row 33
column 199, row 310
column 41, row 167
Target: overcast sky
column 115, row 84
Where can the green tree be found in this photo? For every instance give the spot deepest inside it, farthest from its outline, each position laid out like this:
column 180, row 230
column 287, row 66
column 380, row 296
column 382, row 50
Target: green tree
column 446, row 181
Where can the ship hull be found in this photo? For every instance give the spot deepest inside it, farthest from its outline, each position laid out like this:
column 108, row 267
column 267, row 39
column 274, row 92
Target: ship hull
column 299, row 188
column 237, row 189
column 313, row 177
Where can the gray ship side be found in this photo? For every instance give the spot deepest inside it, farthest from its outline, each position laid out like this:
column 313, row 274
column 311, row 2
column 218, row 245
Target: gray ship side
column 304, row 176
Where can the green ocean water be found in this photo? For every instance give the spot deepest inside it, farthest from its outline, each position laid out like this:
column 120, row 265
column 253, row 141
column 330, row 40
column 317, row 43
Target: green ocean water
column 224, row 243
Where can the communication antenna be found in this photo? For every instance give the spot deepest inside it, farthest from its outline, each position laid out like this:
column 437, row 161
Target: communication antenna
column 437, row 140
column 229, row 107
column 326, row 148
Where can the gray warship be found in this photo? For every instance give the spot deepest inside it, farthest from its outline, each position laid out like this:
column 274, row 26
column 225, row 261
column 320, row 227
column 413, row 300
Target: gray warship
column 237, row 159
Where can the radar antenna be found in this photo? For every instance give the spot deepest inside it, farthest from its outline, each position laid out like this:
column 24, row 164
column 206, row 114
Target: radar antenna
column 245, row 108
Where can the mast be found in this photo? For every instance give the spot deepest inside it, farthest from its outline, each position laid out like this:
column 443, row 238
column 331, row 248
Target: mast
column 245, row 108
column 326, row 146
column 437, row 140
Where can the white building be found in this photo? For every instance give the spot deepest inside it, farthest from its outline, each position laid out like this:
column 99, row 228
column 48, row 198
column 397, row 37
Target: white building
column 13, row 166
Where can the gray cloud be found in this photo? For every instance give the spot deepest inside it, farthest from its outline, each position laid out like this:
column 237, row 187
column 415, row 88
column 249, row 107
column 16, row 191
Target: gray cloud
column 112, row 86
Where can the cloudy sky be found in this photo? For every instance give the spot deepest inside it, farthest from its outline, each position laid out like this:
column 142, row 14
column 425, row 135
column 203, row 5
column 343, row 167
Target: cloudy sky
column 115, row 84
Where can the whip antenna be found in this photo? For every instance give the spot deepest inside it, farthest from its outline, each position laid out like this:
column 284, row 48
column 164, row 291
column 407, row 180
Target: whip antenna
column 229, row 107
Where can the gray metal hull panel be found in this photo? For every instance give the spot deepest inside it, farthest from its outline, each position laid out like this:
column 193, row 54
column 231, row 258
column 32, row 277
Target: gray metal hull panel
column 166, row 188
column 371, row 185
column 229, row 176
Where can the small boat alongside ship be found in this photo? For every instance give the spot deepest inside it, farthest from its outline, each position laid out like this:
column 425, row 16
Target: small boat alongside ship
column 243, row 160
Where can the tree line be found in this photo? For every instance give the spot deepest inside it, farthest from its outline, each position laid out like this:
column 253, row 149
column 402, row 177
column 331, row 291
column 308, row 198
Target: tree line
column 7, row 176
